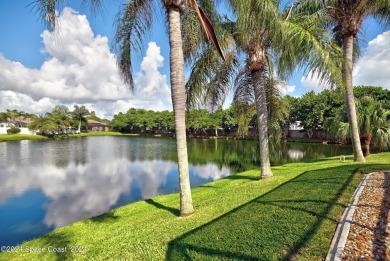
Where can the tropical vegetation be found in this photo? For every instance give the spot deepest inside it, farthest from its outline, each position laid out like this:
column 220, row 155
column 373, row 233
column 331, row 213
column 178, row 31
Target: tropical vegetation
column 345, row 18
column 373, row 123
column 272, row 43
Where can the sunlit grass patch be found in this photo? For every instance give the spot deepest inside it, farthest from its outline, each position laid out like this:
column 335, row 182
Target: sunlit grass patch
column 292, row 215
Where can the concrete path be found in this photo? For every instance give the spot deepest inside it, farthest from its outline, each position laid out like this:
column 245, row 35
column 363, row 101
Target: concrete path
column 336, row 249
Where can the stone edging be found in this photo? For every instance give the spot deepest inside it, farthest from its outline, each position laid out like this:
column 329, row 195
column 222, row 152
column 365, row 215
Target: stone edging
column 336, row 249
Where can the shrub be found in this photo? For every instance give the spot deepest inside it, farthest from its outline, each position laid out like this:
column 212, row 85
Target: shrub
column 13, row 130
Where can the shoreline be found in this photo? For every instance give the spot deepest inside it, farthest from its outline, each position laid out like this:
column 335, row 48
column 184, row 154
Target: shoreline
column 226, row 211
column 19, row 137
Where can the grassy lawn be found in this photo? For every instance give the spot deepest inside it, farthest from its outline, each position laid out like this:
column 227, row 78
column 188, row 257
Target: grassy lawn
column 15, row 137
column 101, row 133
column 290, row 216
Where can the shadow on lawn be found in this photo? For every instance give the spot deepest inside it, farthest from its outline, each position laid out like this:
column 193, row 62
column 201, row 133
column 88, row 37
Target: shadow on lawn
column 174, row 211
column 108, row 217
column 276, row 225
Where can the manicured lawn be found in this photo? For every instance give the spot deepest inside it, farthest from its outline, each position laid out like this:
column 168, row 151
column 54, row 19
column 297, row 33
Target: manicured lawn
column 101, row 133
column 15, row 137
column 292, row 215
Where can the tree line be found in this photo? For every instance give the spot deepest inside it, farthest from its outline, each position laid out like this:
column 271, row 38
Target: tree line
column 59, row 120
column 326, row 112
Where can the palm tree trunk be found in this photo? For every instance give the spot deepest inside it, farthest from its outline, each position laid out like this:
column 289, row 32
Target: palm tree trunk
column 80, row 126
column 350, row 99
column 262, row 121
column 179, row 104
column 366, row 142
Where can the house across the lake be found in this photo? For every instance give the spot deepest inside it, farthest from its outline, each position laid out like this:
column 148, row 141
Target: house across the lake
column 97, row 126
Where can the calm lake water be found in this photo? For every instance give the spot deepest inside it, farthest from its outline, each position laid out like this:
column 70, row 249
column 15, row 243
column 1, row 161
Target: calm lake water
column 49, row 184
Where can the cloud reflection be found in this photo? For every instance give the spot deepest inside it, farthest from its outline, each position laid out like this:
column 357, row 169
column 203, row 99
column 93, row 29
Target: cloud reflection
column 76, row 191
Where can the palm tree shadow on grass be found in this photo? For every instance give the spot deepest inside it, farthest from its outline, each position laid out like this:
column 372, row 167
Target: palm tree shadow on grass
column 276, row 225
column 108, row 217
column 174, row 211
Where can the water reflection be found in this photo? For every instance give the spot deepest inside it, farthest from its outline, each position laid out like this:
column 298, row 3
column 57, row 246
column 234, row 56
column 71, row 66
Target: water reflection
column 50, row 184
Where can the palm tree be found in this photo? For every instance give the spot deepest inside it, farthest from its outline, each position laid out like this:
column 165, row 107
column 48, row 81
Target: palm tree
column 134, row 20
column 374, row 124
column 345, row 18
column 267, row 37
column 43, row 123
column 79, row 113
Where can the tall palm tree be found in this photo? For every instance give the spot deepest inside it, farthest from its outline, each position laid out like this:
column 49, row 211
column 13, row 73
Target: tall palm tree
column 134, row 20
column 267, row 37
column 345, row 18
column 79, row 113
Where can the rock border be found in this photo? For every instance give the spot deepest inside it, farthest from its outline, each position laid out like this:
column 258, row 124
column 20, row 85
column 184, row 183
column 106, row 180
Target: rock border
column 336, row 249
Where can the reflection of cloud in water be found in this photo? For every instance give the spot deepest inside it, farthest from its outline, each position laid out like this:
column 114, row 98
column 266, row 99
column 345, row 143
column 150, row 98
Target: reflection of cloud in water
column 150, row 175
column 295, row 154
column 210, row 171
column 77, row 191
column 87, row 191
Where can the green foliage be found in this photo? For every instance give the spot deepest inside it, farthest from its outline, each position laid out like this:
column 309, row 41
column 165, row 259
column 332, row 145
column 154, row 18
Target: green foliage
column 13, row 130
column 43, row 124
column 60, row 109
column 197, row 121
column 373, row 122
column 3, row 116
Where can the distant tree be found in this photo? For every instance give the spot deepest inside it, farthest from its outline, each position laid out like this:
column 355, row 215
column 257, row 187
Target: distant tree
column 60, row 109
column 120, row 123
column 229, row 119
column 376, row 92
column 43, row 124
column 3, row 116
column 79, row 113
column 311, row 112
column 13, row 114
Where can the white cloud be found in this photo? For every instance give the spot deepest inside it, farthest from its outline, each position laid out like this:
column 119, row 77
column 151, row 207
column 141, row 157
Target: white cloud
column 313, row 83
column 372, row 69
column 286, row 89
column 81, row 69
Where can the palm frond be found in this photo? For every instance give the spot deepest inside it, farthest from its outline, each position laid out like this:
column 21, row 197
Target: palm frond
column 133, row 21
column 46, row 9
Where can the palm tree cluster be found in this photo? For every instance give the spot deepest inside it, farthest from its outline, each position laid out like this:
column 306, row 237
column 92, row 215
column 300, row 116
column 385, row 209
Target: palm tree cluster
column 262, row 44
column 59, row 120
column 373, row 123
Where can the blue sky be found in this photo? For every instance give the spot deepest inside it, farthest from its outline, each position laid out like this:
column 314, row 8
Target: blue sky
column 26, row 54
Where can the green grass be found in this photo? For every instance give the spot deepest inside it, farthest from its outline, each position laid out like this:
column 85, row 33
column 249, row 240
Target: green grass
column 290, row 216
column 306, row 140
column 100, row 133
column 16, row 137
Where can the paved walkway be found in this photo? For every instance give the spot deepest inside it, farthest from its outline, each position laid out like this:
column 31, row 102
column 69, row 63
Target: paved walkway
column 362, row 233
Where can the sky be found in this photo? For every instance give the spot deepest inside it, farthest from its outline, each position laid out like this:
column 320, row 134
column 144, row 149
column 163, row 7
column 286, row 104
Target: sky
column 76, row 65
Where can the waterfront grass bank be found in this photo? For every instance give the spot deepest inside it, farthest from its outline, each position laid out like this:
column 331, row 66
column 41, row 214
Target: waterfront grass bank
column 292, row 215
column 17, row 137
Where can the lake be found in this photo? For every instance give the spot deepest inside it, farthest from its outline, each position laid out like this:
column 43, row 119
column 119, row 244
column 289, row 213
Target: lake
column 49, row 184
